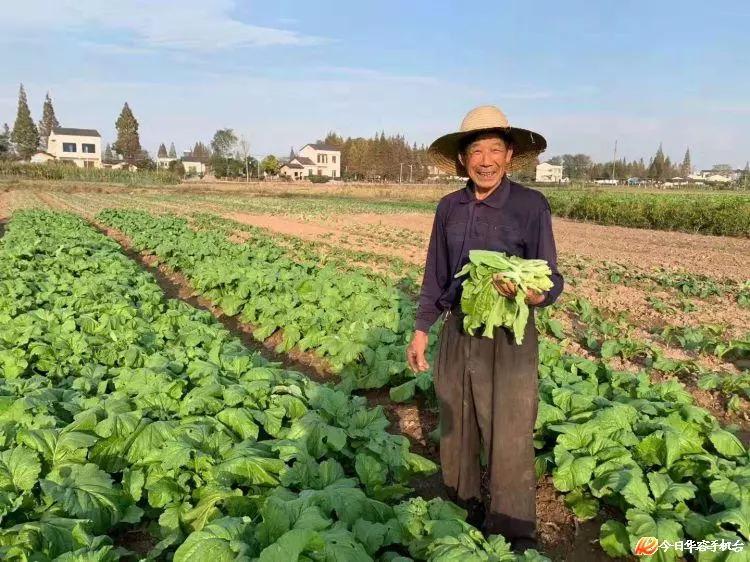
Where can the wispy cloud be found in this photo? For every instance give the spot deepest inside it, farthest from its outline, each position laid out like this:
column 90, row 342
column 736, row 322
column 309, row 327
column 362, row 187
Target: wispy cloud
column 190, row 25
column 115, row 49
column 372, row 74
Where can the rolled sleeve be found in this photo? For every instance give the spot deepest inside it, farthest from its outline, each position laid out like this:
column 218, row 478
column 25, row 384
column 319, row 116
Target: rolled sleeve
column 435, row 275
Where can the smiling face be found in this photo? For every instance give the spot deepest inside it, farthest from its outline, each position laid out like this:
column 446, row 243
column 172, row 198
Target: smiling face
column 486, row 159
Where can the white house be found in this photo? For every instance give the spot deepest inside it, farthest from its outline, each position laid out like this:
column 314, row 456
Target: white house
column 41, row 157
column 194, row 166
column 293, row 169
column 120, row 165
column 83, row 147
column 163, row 162
column 549, row 173
column 315, row 160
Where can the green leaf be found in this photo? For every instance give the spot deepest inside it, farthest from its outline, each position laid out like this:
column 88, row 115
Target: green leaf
column 241, row 421
column 250, row 469
column 291, row 545
column 85, row 491
column 19, row 469
column 738, row 516
column 224, row 540
column 56, row 446
column 614, row 539
column 642, row 524
column 727, row 444
column 583, row 505
column 572, row 472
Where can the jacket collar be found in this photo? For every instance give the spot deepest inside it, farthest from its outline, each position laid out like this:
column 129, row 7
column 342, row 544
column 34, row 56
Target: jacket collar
column 496, row 199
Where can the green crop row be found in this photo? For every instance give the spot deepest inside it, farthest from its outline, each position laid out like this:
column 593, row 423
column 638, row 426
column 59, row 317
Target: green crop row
column 119, row 409
column 51, row 171
column 727, row 215
column 359, row 323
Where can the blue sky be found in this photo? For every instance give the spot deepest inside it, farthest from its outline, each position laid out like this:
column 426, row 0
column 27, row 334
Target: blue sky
column 284, row 73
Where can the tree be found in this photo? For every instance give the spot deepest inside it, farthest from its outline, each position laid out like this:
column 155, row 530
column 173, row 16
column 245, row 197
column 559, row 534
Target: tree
column 172, row 151
column 334, row 140
column 222, row 146
column 201, row 152
column 744, row 178
column 128, row 142
column 177, row 167
column 5, row 141
column 270, row 165
column 25, row 135
column 244, row 151
column 686, row 168
column 108, row 156
column 162, row 152
column 223, row 142
column 577, row 166
column 48, row 122
column 657, row 169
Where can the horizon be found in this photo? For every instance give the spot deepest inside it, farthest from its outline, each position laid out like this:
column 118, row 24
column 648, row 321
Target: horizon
column 670, row 74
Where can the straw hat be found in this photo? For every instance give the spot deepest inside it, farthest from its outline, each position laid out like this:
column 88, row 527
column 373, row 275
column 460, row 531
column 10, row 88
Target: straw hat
column 526, row 144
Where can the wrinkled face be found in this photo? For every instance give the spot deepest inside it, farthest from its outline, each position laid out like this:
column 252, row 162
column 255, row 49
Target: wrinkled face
column 486, row 160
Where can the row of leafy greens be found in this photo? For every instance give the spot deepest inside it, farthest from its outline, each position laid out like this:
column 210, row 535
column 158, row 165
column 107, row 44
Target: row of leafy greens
column 360, row 324
column 608, row 437
column 122, row 410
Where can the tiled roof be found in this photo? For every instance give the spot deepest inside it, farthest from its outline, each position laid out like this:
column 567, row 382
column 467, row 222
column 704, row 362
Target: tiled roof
column 304, row 160
column 294, row 166
column 76, row 132
column 321, row 146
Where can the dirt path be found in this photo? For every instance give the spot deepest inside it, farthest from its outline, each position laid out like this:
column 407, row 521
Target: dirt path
column 716, row 256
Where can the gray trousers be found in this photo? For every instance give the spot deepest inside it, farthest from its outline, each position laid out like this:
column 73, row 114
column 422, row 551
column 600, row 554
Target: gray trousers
column 488, row 394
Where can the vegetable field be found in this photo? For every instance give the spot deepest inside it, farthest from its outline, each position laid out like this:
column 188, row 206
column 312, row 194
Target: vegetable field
column 135, row 426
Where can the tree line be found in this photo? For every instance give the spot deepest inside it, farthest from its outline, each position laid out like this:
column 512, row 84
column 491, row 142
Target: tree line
column 659, row 168
column 379, row 158
column 384, row 158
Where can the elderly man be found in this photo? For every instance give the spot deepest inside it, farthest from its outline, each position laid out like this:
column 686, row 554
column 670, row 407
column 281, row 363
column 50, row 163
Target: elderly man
column 486, row 387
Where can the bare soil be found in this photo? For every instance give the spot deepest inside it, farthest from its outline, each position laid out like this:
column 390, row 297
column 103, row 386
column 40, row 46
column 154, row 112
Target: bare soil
column 715, row 256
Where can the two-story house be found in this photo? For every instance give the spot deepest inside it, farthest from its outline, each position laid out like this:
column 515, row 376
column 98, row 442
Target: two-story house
column 549, row 173
column 313, row 160
column 83, row 147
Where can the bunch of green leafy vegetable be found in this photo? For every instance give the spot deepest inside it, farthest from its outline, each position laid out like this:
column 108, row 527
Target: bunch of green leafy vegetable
column 120, row 408
column 483, row 305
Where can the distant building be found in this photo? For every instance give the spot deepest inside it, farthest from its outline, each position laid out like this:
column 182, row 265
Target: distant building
column 722, row 170
column 83, row 147
column 163, row 162
column 194, row 166
column 292, row 169
column 120, row 165
column 549, row 173
column 41, row 157
column 313, row 160
column 435, row 172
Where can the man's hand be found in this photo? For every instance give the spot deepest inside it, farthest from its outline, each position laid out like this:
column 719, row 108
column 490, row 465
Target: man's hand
column 508, row 289
column 415, row 353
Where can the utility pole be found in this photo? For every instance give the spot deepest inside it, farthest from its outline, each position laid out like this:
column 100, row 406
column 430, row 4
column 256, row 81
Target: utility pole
column 400, row 171
column 614, row 158
column 410, row 172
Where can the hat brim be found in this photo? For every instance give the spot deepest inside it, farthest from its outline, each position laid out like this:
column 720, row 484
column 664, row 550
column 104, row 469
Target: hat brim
column 527, row 145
